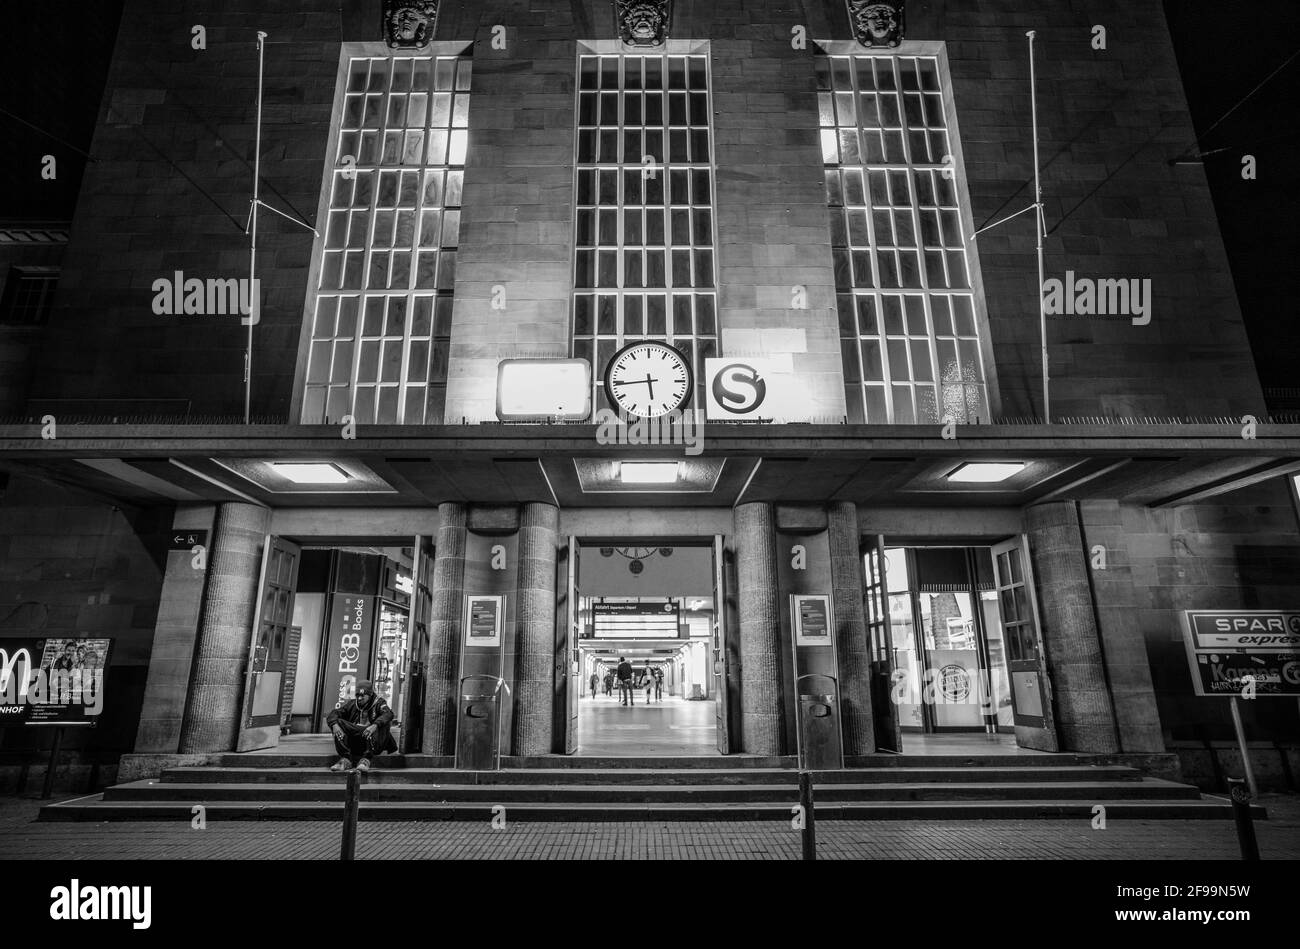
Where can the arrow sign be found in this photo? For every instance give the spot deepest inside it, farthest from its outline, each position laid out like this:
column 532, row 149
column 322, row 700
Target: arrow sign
column 188, row 540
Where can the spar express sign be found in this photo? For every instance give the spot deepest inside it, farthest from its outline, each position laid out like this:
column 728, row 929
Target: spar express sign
column 1232, row 652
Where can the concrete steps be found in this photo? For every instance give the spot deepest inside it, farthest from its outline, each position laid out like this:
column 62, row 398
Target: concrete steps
column 1000, row 787
column 649, row 776
column 489, row 794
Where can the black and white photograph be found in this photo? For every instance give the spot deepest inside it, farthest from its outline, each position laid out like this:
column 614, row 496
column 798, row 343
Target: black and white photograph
column 733, row 432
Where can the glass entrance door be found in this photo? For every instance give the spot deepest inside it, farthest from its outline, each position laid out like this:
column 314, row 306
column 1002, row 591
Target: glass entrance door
column 952, row 658
column 949, row 664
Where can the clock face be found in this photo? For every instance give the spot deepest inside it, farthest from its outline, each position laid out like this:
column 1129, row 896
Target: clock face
column 648, row 380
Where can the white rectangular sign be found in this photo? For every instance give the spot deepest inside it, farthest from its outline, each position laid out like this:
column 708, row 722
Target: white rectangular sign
column 539, row 389
column 1243, row 652
column 753, row 389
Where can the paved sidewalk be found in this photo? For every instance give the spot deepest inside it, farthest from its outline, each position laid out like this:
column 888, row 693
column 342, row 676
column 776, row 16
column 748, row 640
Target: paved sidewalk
column 21, row 837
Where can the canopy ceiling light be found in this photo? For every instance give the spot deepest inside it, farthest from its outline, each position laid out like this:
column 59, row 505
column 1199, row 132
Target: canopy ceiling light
column 310, row 472
column 647, row 472
column 986, row 472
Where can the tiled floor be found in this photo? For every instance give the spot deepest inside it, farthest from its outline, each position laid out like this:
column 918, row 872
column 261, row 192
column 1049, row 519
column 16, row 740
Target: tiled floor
column 963, row 743
column 673, row 726
column 22, row 838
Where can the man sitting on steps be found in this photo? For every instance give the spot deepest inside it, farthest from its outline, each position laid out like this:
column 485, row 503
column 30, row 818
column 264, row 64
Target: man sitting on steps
column 361, row 728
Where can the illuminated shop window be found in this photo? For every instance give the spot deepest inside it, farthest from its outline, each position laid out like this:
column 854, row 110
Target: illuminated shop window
column 644, row 261
column 381, row 306
column 908, row 331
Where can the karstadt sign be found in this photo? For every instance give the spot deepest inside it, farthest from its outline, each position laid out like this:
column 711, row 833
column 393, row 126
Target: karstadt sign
column 1243, row 652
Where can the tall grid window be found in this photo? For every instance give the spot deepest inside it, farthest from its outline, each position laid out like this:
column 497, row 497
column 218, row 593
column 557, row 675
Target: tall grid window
column 644, row 264
column 381, row 314
column 908, row 334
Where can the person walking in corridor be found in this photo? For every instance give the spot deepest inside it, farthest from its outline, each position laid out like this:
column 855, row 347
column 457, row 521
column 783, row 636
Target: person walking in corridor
column 609, row 683
column 659, row 684
column 595, row 684
column 625, row 693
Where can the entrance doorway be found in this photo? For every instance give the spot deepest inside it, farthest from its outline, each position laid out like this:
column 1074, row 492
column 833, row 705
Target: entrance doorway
column 656, row 610
column 956, row 629
column 327, row 617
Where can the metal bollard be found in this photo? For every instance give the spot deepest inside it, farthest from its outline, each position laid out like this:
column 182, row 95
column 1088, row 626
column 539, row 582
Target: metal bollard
column 351, row 805
column 1240, row 795
column 47, row 787
column 809, row 833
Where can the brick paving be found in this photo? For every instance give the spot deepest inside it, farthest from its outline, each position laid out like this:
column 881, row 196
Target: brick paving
column 21, row 837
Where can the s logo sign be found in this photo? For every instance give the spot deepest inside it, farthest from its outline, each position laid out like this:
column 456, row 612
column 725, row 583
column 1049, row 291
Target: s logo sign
column 739, row 388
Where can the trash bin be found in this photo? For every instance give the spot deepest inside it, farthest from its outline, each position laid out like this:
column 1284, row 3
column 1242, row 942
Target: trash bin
column 819, row 732
column 476, row 728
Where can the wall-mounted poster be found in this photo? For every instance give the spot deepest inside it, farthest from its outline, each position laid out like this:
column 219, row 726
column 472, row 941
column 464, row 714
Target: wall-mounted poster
column 811, row 615
column 483, row 620
column 57, row 681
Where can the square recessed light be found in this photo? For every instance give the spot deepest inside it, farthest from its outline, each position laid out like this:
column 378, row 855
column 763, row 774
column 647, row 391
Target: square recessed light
column 647, row 472
column 986, row 472
column 310, row 472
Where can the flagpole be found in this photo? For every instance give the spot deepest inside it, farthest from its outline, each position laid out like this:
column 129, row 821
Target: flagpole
column 1040, row 227
column 255, row 304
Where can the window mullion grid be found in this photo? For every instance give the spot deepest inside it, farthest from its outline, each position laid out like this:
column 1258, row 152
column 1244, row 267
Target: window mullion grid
column 899, row 98
column 874, row 251
column 919, row 256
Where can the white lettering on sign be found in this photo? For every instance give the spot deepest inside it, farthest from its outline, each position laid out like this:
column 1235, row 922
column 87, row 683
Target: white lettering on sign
column 349, row 661
column 349, row 652
column 1251, row 623
column 7, row 678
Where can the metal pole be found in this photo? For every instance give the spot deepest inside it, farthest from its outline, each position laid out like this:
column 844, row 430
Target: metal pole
column 1241, row 816
column 1041, row 228
column 809, row 834
column 47, row 788
column 255, row 304
column 351, row 806
column 1241, row 744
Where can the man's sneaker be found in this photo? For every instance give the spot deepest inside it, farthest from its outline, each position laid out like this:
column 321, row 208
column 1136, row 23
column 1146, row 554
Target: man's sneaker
column 341, row 765
column 363, row 765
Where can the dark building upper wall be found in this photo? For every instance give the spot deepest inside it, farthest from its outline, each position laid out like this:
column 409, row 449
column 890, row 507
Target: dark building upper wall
column 172, row 182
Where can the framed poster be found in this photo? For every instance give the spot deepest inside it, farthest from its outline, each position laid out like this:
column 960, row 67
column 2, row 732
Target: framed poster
column 54, row 681
column 811, row 616
column 483, row 620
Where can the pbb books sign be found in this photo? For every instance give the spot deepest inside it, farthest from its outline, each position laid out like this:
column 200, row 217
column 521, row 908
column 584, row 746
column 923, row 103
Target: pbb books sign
column 52, row 681
column 1243, row 652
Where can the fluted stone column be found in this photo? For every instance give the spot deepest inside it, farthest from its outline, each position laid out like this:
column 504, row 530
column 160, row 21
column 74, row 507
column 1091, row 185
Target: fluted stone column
column 1085, row 718
column 225, row 634
column 760, row 631
column 539, row 526
column 852, row 640
column 445, row 632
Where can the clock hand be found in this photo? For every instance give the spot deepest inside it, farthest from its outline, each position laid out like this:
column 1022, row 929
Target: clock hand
column 633, row 382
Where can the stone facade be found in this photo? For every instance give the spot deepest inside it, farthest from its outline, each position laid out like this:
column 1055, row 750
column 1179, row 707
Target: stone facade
column 170, row 189
column 171, row 186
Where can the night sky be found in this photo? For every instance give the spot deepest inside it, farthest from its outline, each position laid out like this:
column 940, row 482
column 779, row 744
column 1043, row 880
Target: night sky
column 56, row 57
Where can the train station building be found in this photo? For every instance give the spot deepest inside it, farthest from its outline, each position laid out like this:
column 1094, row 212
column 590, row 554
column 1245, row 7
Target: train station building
column 648, row 330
